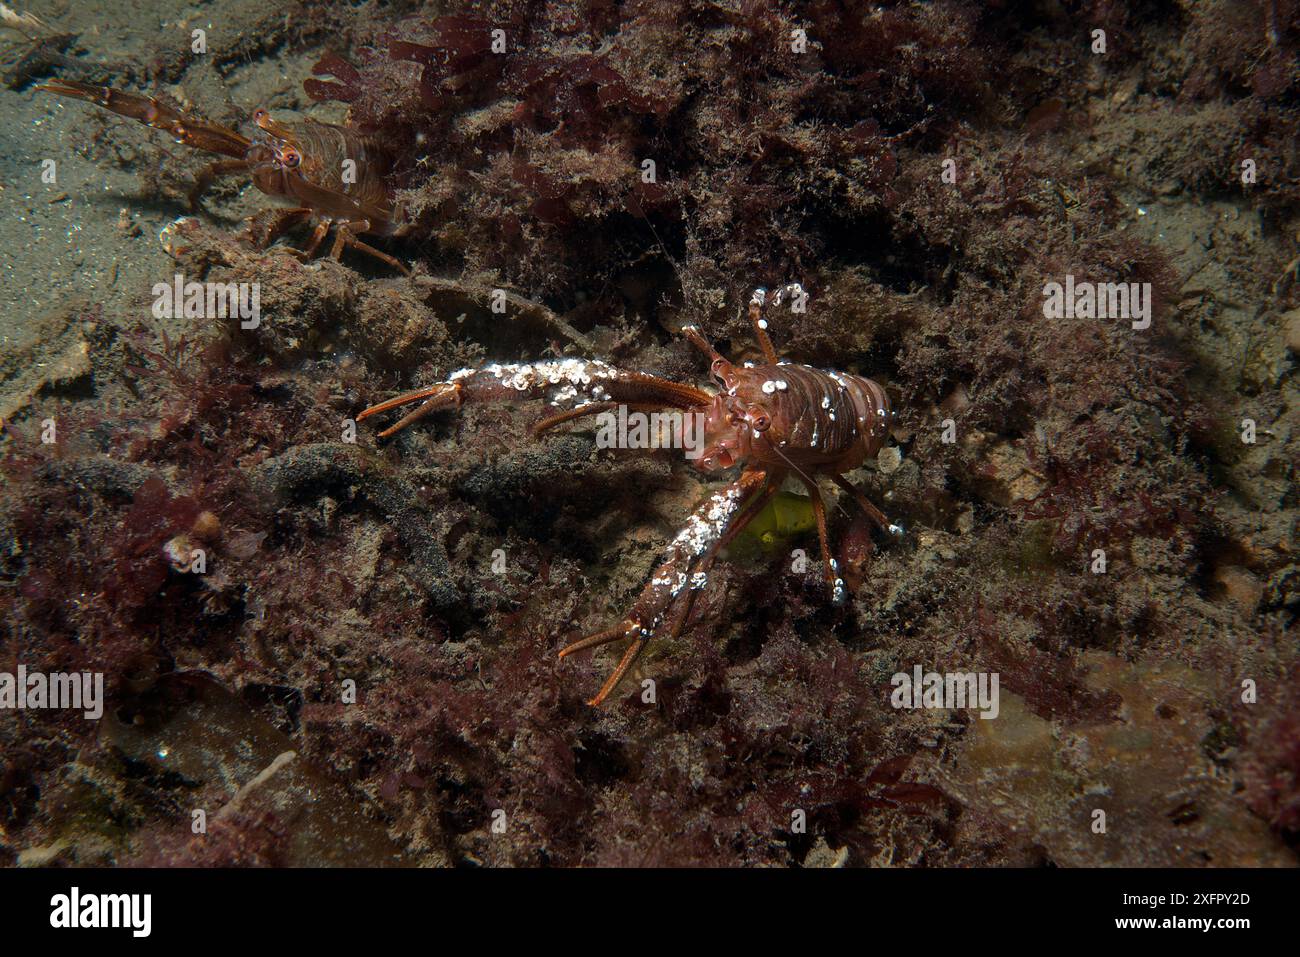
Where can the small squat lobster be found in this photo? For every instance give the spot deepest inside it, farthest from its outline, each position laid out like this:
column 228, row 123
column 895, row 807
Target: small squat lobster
column 772, row 419
column 337, row 177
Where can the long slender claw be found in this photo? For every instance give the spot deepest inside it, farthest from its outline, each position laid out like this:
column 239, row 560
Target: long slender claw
column 600, row 638
column 629, row 656
column 440, row 396
column 568, row 384
column 665, row 603
column 190, row 130
column 99, row 95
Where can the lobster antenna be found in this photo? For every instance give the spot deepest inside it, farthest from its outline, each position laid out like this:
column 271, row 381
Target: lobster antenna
column 677, row 269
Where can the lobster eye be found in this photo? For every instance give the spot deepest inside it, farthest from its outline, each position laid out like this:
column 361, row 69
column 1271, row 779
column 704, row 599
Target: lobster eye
column 760, row 422
column 290, row 157
column 259, row 114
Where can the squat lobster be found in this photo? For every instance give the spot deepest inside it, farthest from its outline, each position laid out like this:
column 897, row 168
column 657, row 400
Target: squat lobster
column 772, row 419
column 337, row 177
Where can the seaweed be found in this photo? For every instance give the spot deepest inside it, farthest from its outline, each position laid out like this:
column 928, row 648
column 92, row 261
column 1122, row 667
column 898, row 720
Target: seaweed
column 351, row 603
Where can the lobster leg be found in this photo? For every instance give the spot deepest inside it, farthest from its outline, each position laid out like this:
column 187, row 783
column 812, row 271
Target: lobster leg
column 873, row 513
column 317, row 237
column 568, row 384
column 665, row 601
column 834, row 584
column 263, row 228
column 188, row 130
column 757, row 302
column 345, row 236
column 696, row 338
column 209, row 173
column 719, row 365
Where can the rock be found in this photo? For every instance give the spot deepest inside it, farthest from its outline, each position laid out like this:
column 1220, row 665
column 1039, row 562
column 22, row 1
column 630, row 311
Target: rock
column 1010, row 479
column 1291, row 330
column 54, row 352
column 889, row 460
column 822, row 855
column 1240, row 587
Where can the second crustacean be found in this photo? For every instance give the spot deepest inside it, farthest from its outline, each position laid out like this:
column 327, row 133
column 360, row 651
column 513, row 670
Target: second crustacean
column 773, row 419
column 336, row 177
